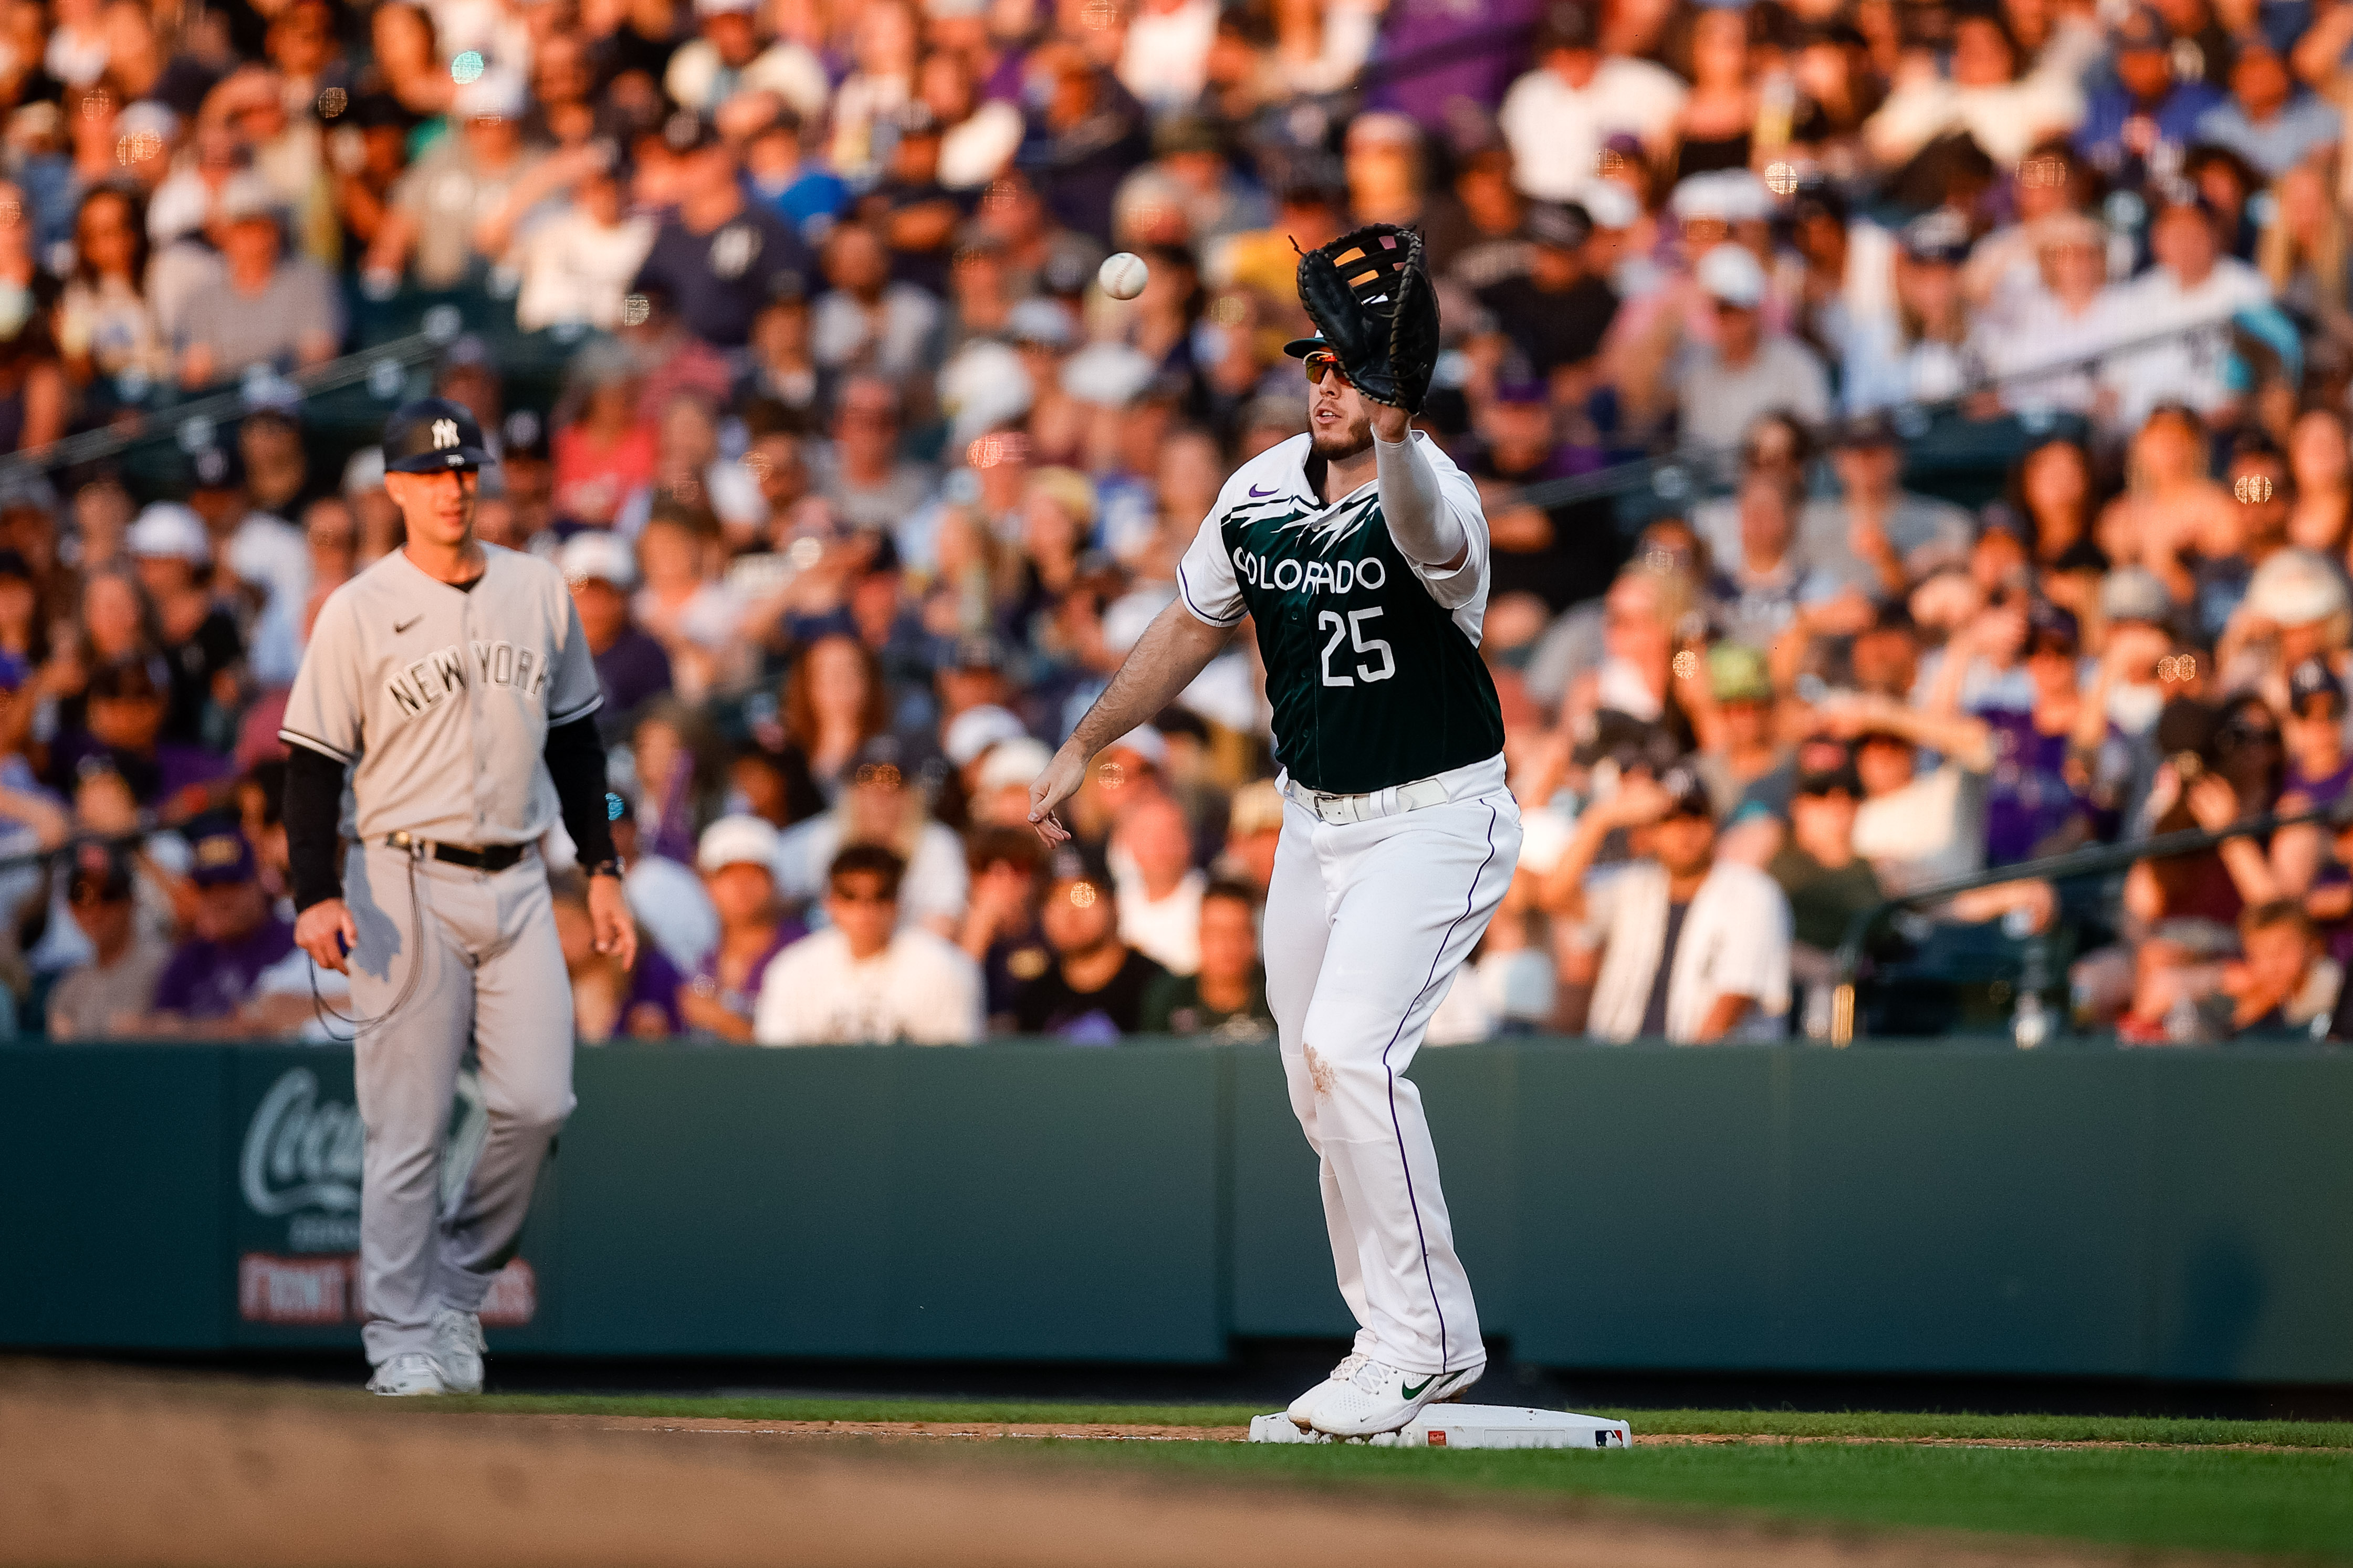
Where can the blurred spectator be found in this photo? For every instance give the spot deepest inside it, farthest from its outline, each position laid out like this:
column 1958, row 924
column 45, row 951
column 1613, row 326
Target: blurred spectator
column 869, row 978
column 1001, row 930
column 737, row 858
column 632, row 667
column 195, row 634
column 234, row 936
column 1694, row 950
column 880, row 806
column 667, row 897
column 450, row 213
column 1226, row 995
column 115, row 991
column 1557, row 116
column 1092, row 993
column 717, row 254
column 1747, row 370
column 608, row 1002
column 1159, row 893
column 272, row 309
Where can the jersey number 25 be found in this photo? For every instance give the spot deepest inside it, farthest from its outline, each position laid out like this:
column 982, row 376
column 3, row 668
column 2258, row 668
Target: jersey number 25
column 1353, row 628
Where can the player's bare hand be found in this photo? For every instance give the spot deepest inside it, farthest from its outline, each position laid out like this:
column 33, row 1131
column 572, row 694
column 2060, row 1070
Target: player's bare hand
column 1058, row 783
column 326, row 930
column 1391, row 423
column 608, row 912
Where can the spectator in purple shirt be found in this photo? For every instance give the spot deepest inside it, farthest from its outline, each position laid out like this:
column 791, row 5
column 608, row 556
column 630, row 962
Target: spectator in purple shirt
column 235, row 937
column 631, row 667
column 127, row 701
column 737, row 857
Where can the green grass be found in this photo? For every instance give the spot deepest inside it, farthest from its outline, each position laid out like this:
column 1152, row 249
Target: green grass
column 2199, row 1494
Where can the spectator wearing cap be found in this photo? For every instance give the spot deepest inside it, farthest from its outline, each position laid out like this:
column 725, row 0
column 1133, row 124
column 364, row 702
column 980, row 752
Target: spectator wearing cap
column 2181, row 311
column 2250, row 533
column 2033, row 805
column 1695, row 949
column 783, row 371
column 1748, row 370
column 1092, row 993
column 1194, row 167
column 126, row 704
column 2319, row 770
column 1000, row 790
column 1919, row 350
column 777, row 170
column 1734, row 720
column 109, row 993
column 631, row 667
column 1988, row 89
column 450, row 212
column 1557, row 310
column 270, row 309
column 1897, row 534
column 717, row 254
column 869, row 978
column 1557, row 116
column 2295, row 608
column 916, row 213
column 2146, row 106
column 196, row 634
column 1001, row 930
column 1226, row 995
column 577, row 263
column 737, row 857
column 727, row 57
column 1817, row 870
column 879, row 805
column 2269, row 119
column 234, row 937
column 260, row 550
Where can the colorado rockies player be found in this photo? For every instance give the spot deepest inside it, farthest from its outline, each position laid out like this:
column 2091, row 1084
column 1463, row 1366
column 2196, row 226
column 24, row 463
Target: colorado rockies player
column 451, row 682
column 1359, row 553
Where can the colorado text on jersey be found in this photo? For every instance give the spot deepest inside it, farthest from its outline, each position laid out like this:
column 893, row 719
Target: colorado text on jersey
column 427, row 680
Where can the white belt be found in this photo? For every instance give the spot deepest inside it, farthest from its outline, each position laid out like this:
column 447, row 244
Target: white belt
column 1477, row 778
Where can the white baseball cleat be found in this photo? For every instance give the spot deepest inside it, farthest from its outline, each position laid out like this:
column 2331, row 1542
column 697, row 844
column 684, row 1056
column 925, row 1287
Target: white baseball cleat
column 410, row 1372
column 1303, row 1407
column 1380, row 1399
column 458, row 1349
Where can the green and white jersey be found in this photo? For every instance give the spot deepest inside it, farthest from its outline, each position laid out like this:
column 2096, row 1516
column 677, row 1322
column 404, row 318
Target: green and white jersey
column 1372, row 661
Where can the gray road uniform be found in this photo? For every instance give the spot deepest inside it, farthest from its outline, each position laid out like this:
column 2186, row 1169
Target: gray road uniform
column 1399, row 840
column 439, row 700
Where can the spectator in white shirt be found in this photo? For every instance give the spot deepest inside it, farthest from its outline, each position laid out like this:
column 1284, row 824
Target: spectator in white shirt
column 1557, row 116
column 1695, row 950
column 864, row 980
column 2181, row 308
column 1159, row 890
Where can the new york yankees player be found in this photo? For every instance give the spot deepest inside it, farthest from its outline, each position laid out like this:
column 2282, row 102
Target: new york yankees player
column 1359, row 553
column 451, row 683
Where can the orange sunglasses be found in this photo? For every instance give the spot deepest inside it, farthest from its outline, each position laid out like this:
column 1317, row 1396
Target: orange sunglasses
column 1321, row 363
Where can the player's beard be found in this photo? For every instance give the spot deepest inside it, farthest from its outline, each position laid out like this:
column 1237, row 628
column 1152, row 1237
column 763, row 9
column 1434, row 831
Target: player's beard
column 1354, row 439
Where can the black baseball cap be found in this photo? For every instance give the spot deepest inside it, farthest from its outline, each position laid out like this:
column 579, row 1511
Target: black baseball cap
column 431, row 434
column 2310, row 679
column 220, row 468
column 1686, row 794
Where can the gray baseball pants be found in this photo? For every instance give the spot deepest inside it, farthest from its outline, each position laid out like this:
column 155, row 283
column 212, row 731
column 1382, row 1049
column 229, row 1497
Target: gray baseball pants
column 488, row 974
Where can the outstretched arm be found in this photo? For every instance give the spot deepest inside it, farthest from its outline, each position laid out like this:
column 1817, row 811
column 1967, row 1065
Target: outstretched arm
column 1424, row 527
column 1163, row 661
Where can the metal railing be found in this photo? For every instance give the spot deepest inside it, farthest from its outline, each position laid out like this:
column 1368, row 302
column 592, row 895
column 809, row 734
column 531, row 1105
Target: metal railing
column 2097, row 860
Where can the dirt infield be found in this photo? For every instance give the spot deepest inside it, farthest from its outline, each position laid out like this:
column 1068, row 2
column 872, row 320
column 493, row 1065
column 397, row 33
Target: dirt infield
column 99, row 1468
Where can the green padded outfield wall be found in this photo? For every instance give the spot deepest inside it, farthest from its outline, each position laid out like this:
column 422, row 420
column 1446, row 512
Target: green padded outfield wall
column 1950, row 1209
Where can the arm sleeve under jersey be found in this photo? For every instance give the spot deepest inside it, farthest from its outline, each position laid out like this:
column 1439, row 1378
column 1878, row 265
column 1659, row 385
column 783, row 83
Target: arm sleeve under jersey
column 575, row 761
column 1421, row 521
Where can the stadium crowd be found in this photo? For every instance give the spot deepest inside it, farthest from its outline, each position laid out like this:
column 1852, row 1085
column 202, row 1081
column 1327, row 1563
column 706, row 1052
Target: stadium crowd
column 1914, row 437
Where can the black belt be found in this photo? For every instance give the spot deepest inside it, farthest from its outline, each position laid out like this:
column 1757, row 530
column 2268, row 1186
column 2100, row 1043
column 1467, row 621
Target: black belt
column 490, row 857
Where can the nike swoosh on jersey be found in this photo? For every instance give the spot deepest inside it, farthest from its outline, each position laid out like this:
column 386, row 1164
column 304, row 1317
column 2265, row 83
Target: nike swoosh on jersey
column 404, row 626
column 1256, row 493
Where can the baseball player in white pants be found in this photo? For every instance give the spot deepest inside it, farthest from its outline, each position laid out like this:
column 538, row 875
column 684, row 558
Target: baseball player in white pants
column 452, row 683
column 1359, row 553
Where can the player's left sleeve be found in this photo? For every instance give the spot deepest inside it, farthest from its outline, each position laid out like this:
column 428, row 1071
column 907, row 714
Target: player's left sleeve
column 1205, row 577
column 1457, row 491
column 573, row 691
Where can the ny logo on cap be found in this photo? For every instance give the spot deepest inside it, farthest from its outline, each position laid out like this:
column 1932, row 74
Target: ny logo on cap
column 444, row 433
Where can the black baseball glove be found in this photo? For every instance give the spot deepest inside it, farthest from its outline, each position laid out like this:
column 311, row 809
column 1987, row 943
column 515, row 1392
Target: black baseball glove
column 1370, row 295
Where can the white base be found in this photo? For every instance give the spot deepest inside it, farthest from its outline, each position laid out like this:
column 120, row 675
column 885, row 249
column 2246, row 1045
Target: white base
column 1469, row 1426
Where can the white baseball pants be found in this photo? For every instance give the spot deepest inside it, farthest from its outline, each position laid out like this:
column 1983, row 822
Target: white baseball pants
column 491, row 976
column 1365, row 923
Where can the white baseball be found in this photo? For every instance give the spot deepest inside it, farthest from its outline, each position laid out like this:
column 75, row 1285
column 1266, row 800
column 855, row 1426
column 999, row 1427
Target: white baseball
column 1122, row 276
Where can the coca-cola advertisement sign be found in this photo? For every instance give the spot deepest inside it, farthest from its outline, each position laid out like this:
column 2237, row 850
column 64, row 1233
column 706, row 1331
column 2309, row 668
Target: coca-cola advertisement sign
column 300, row 1158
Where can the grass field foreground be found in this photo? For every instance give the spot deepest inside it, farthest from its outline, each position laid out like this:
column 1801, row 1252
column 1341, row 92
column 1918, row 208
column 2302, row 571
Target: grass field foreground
column 2271, row 1488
